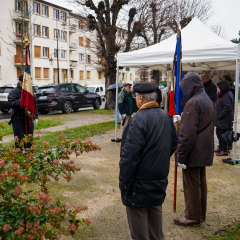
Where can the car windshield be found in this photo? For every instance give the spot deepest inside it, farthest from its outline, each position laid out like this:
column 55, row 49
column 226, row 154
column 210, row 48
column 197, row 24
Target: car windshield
column 45, row 89
column 91, row 89
column 5, row 90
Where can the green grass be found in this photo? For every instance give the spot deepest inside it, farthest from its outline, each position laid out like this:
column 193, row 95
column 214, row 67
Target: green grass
column 228, row 233
column 101, row 111
column 7, row 130
column 82, row 132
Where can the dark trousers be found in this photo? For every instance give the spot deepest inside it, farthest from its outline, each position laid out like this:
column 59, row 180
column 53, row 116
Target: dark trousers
column 195, row 192
column 19, row 130
column 223, row 145
column 145, row 223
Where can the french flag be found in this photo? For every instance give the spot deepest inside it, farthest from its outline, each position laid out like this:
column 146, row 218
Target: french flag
column 27, row 97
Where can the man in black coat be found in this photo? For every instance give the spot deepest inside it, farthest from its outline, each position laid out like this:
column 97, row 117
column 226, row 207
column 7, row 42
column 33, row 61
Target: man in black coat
column 210, row 88
column 18, row 114
column 230, row 81
column 148, row 142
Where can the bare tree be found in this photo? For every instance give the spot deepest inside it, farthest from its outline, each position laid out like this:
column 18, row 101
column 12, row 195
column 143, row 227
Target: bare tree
column 103, row 19
column 219, row 30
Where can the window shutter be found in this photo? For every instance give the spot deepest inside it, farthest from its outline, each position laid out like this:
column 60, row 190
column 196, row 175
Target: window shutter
column 81, row 41
column 65, row 36
column 37, row 51
column 40, row 8
column 88, row 74
column 19, row 71
column 99, row 75
column 47, row 11
column 89, row 58
column 46, row 73
column 37, row 72
column 39, row 29
column 48, row 32
column 15, row 28
column 81, row 74
column 87, row 42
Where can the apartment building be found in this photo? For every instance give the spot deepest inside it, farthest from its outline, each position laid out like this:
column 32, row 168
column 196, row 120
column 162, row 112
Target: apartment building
column 62, row 48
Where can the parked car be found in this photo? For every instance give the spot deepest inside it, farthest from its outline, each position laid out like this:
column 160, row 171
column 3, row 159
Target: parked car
column 99, row 89
column 4, row 91
column 66, row 97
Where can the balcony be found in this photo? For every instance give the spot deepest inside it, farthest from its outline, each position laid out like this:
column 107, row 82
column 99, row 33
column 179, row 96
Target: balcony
column 18, row 15
column 72, row 28
column 18, row 38
column 73, row 64
column 73, row 46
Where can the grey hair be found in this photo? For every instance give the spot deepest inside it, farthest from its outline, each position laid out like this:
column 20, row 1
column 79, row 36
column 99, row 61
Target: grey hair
column 150, row 96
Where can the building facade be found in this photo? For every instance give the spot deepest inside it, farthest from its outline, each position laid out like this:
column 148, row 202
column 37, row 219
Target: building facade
column 62, row 47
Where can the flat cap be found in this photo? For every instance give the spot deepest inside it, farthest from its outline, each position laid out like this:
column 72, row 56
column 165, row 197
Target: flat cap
column 145, row 87
column 20, row 78
column 126, row 84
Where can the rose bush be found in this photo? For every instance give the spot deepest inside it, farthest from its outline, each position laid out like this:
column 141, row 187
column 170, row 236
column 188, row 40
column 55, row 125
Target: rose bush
column 25, row 214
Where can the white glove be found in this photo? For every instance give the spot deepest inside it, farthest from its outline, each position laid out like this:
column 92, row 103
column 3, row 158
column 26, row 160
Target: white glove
column 124, row 115
column 183, row 166
column 35, row 121
column 176, row 118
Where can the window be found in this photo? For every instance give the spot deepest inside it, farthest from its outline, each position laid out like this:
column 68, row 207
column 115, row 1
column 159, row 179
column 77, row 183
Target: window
column 37, row 72
column 63, row 16
column 80, row 74
column 55, row 53
column 81, row 41
column 37, row 51
column 37, row 30
column 64, row 36
column 80, row 89
column 63, row 54
column 87, row 42
column 45, row 72
column 70, row 88
column 99, row 75
column 45, row 32
column 45, row 52
column 88, row 75
column 55, row 14
column 18, row 28
column 80, row 57
column 89, row 58
column 97, row 89
column 44, row 10
column 18, row 6
column 72, row 73
column 36, row 8
column 56, row 33
column 81, row 24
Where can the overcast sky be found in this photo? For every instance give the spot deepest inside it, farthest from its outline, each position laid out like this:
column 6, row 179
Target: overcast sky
column 226, row 14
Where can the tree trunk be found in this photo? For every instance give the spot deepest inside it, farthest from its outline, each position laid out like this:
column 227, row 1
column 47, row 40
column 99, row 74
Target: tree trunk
column 156, row 76
column 110, row 78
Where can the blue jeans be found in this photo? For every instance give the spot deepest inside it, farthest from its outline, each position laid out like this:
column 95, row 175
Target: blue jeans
column 118, row 116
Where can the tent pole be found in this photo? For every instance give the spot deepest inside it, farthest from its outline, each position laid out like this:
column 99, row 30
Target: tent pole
column 116, row 104
column 236, row 103
column 167, row 78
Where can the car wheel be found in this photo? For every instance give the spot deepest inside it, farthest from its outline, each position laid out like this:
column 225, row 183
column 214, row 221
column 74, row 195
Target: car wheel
column 5, row 110
column 67, row 107
column 44, row 112
column 97, row 103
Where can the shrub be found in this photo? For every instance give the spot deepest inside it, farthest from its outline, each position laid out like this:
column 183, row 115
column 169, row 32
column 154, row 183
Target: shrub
column 27, row 214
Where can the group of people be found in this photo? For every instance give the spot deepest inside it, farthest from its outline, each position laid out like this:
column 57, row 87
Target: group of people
column 150, row 138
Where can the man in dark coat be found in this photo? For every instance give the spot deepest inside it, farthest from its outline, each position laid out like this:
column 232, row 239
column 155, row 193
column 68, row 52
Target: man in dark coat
column 230, row 81
column 224, row 115
column 18, row 114
column 195, row 148
column 210, row 88
column 148, row 142
column 126, row 104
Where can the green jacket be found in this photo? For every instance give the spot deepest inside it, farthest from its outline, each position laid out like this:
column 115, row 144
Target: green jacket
column 126, row 103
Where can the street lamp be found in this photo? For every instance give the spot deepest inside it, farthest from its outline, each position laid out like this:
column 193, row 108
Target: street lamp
column 51, row 60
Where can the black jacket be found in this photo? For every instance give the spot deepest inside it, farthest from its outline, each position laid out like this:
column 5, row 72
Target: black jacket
column 224, row 111
column 148, row 142
column 211, row 90
column 195, row 150
column 232, row 89
column 14, row 97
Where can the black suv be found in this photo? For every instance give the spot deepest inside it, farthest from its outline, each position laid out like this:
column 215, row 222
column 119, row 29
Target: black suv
column 67, row 97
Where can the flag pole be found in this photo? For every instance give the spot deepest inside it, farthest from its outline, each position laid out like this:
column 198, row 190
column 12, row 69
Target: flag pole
column 26, row 117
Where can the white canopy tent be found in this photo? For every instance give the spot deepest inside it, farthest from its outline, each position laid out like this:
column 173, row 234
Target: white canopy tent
column 201, row 50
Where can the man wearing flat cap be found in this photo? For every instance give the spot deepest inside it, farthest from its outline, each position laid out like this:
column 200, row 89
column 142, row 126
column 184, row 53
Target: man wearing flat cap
column 148, row 142
column 126, row 104
column 18, row 114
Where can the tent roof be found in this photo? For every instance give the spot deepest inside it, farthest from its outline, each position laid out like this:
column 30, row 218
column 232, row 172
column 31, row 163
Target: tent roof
column 201, row 50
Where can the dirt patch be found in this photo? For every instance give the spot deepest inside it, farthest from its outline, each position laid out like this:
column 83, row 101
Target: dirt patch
column 97, row 186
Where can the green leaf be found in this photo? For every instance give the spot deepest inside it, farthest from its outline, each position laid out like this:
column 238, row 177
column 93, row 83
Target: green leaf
column 2, row 200
column 58, row 203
